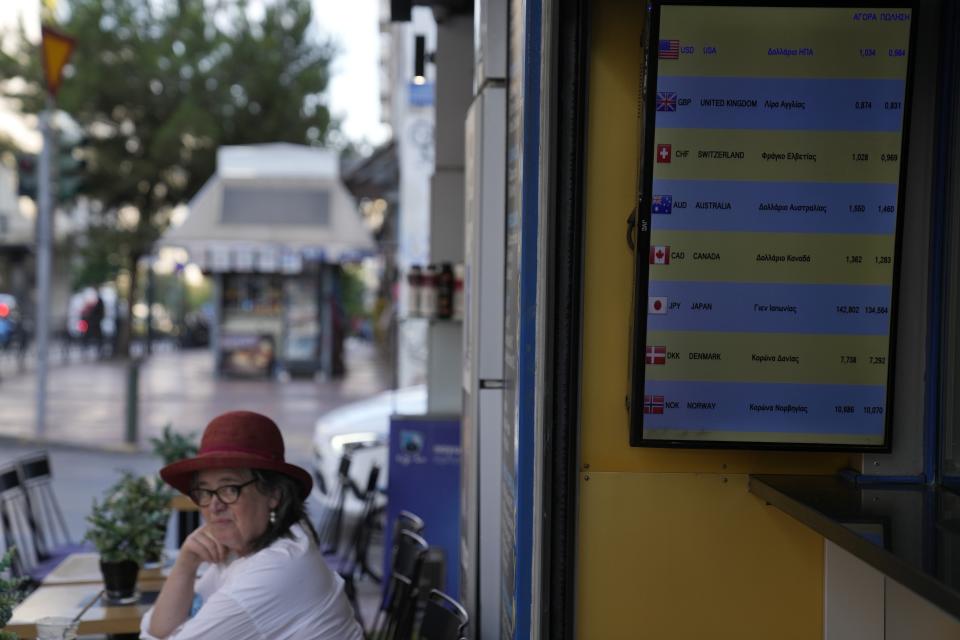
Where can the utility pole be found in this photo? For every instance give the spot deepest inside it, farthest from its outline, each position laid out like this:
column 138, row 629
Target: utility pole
column 44, row 232
column 55, row 49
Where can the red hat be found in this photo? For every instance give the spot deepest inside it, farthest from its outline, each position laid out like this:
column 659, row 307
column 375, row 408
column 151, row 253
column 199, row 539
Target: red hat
column 241, row 439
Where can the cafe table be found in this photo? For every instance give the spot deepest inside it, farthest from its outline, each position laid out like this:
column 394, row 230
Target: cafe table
column 74, row 588
column 84, row 568
column 84, row 602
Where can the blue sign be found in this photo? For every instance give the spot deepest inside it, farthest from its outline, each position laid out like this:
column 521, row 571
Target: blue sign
column 421, row 95
column 424, row 477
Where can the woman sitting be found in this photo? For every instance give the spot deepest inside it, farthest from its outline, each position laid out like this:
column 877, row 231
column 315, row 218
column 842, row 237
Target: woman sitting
column 263, row 576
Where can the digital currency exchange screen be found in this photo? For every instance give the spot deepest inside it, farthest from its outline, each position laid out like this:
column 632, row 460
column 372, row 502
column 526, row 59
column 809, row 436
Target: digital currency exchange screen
column 769, row 225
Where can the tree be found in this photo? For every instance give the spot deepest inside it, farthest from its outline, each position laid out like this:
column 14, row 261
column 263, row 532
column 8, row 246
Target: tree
column 156, row 87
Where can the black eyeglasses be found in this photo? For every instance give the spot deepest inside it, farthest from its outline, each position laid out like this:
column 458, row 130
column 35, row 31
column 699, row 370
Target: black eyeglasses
column 227, row 494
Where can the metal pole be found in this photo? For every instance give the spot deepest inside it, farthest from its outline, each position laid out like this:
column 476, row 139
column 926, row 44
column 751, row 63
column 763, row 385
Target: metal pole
column 44, row 232
column 150, row 293
column 133, row 397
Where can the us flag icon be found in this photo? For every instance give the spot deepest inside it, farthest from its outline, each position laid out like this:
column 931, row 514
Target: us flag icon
column 656, row 355
column 653, row 404
column 657, row 305
column 659, row 254
column 668, row 50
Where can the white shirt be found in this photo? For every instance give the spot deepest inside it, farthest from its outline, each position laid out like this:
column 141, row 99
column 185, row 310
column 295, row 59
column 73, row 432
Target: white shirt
column 283, row 592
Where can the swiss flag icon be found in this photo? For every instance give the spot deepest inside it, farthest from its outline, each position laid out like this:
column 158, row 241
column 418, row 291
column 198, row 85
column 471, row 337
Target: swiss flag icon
column 659, row 254
column 664, row 151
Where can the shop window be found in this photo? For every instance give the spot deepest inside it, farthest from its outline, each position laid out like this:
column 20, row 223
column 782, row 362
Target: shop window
column 254, row 294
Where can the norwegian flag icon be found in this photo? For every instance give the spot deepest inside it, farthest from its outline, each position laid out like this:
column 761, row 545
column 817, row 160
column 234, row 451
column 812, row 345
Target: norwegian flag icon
column 659, row 254
column 656, row 355
column 653, row 404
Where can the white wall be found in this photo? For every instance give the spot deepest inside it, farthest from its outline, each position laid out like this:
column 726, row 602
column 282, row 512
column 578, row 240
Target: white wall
column 860, row 603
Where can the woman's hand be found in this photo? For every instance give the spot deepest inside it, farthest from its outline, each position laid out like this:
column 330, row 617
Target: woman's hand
column 201, row 546
column 176, row 595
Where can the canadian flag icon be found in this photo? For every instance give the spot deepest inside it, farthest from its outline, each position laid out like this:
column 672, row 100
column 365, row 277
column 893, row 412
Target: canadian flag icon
column 659, row 254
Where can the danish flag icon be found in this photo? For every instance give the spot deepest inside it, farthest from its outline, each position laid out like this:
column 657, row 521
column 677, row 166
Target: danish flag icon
column 656, row 354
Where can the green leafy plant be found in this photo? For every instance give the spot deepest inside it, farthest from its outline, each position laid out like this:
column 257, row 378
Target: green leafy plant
column 172, row 446
column 11, row 592
column 130, row 523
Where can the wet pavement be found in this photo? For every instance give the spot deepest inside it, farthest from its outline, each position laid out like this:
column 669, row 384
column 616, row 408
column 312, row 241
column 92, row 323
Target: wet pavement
column 87, row 398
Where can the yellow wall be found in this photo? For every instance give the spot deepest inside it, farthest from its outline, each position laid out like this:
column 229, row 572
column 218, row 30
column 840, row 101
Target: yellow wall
column 671, row 545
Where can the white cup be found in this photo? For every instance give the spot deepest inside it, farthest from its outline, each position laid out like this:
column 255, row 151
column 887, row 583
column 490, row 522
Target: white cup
column 56, row 628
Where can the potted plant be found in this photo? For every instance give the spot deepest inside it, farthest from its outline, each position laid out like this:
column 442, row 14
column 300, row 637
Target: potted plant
column 127, row 528
column 11, row 591
column 172, row 446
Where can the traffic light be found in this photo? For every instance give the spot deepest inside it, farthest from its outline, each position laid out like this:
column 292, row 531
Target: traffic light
column 70, row 169
column 27, row 175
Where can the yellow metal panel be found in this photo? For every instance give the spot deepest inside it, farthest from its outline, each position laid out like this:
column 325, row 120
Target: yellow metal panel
column 676, row 556
column 614, row 74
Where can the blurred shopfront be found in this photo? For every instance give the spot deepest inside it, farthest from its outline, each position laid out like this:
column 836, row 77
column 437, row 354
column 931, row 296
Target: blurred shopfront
column 273, row 228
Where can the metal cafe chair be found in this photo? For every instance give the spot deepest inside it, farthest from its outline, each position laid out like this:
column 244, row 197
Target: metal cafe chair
column 49, row 538
column 408, row 521
column 369, row 523
column 49, row 524
column 443, row 618
column 14, row 514
column 394, row 620
column 353, row 561
column 331, row 524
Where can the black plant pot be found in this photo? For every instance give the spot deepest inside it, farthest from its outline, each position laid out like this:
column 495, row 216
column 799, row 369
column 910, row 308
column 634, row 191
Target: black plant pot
column 120, row 580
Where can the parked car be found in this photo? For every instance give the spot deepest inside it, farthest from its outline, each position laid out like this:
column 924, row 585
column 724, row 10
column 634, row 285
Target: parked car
column 363, row 429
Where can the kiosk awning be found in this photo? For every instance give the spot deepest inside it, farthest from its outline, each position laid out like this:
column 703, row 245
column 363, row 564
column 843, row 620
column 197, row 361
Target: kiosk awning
column 265, row 221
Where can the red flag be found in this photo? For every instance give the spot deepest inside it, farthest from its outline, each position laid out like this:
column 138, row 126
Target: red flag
column 659, row 254
column 653, row 404
column 656, row 355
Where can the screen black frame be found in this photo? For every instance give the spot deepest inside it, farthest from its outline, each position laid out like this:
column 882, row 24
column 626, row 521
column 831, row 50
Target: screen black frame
column 647, row 116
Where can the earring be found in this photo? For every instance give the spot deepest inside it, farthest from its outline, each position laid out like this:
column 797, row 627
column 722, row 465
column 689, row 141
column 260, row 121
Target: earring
column 273, row 517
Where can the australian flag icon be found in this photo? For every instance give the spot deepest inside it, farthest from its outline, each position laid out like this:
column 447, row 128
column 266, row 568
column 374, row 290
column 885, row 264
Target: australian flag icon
column 662, row 204
column 666, row 101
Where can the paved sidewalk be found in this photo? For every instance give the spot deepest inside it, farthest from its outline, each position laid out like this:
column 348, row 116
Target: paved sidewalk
column 87, row 399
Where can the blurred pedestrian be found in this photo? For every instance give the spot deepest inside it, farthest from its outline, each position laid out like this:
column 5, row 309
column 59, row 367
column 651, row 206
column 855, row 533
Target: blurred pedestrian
column 95, row 330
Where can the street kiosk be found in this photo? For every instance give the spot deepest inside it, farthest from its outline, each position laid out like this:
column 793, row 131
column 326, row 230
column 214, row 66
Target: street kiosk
column 272, row 227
